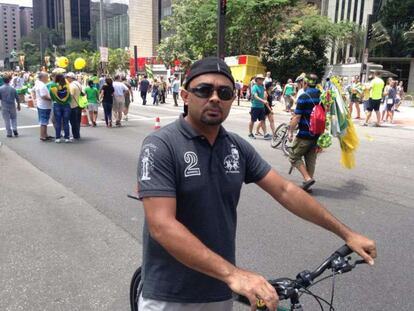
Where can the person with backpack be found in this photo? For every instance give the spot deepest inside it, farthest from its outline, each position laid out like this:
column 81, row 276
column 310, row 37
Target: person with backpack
column 311, row 122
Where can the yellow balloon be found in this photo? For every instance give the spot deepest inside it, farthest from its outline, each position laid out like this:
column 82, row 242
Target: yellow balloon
column 62, row 62
column 79, row 63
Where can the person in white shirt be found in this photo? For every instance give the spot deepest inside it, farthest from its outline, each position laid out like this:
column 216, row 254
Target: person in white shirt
column 120, row 90
column 268, row 80
column 43, row 103
column 299, row 84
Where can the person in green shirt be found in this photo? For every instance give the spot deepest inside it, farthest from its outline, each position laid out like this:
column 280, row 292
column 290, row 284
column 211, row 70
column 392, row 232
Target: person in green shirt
column 1, row 80
column 92, row 95
column 257, row 111
column 375, row 96
column 288, row 95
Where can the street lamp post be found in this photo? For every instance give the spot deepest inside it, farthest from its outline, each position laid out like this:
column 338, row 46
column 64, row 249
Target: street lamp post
column 221, row 28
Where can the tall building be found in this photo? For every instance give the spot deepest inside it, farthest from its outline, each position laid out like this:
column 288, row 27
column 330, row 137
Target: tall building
column 115, row 23
column 356, row 11
column 143, row 26
column 71, row 15
column 10, row 23
column 165, row 10
column 26, row 20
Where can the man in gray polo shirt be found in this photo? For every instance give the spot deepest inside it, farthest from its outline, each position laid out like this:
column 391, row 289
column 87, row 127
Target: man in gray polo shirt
column 9, row 99
column 190, row 174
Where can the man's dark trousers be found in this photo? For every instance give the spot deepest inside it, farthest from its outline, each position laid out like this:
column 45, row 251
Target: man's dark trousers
column 144, row 97
column 75, row 121
column 175, row 97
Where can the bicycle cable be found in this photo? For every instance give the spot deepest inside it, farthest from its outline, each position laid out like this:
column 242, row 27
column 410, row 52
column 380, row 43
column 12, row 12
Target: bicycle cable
column 323, row 279
column 317, row 298
column 333, row 289
column 308, row 292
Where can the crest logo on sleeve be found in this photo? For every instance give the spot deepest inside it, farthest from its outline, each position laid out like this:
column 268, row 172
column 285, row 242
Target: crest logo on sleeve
column 231, row 161
column 147, row 161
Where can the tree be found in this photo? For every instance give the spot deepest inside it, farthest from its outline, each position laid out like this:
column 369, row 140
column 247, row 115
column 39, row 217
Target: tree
column 397, row 12
column 398, row 44
column 118, row 60
column 300, row 43
column 193, row 27
column 76, row 45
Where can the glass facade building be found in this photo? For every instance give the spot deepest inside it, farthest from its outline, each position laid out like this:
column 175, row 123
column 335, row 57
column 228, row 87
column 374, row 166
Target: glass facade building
column 115, row 23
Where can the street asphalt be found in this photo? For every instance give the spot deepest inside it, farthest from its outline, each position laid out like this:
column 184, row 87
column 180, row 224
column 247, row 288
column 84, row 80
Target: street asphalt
column 70, row 238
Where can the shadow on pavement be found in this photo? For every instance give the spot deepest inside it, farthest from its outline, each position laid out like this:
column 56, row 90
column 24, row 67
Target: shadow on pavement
column 349, row 190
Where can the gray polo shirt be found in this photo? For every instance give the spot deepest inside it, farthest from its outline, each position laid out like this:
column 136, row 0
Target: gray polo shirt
column 206, row 182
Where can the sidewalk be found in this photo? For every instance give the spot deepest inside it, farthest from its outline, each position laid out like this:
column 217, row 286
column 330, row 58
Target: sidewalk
column 57, row 251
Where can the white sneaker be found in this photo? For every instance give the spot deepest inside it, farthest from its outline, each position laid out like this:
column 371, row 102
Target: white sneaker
column 57, row 140
column 68, row 141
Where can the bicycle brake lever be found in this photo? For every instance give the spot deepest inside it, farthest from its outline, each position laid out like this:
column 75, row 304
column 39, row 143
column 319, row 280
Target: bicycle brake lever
column 359, row 262
column 133, row 197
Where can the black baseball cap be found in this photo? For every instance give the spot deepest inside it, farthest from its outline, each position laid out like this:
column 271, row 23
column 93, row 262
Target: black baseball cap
column 208, row 65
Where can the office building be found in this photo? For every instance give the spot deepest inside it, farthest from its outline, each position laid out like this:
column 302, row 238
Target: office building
column 143, row 27
column 73, row 16
column 355, row 11
column 115, row 23
column 10, row 34
column 26, row 21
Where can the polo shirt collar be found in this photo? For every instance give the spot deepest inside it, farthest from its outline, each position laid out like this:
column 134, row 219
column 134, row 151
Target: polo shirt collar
column 185, row 128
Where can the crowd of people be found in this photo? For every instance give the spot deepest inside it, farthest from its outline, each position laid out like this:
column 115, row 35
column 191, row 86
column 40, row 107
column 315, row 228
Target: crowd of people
column 299, row 96
column 60, row 99
column 375, row 96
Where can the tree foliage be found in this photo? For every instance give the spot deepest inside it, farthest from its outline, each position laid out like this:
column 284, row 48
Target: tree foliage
column 397, row 12
column 397, row 18
column 300, row 43
column 399, row 44
column 193, row 27
column 76, row 45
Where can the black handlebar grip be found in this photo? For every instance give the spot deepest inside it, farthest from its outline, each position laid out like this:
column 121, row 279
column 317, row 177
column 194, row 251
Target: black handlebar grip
column 344, row 251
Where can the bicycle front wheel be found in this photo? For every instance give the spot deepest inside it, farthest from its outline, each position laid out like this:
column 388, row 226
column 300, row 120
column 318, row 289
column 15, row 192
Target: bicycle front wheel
column 135, row 289
column 286, row 146
column 279, row 134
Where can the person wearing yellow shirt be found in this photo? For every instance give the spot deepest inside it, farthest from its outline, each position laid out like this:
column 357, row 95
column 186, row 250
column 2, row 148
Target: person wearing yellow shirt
column 365, row 93
column 376, row 86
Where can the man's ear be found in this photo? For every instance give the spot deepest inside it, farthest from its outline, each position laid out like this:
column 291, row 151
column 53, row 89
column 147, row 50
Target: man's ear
column 184, row 95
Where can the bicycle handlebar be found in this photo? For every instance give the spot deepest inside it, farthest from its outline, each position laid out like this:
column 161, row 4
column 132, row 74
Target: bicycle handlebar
column 287, row 288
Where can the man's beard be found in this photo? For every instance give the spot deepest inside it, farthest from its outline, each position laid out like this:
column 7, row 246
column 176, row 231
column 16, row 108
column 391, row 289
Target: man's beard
column 207, row 121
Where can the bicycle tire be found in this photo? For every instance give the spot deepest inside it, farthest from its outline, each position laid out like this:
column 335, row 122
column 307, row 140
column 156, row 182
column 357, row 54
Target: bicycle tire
column 285, row 148
column 278, row 135
column 135, row 289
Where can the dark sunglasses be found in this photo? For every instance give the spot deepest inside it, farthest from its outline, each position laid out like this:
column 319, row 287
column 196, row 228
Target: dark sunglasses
column 207, row 90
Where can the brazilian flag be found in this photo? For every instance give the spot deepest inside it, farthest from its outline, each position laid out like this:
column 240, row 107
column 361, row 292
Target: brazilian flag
column 148, row 70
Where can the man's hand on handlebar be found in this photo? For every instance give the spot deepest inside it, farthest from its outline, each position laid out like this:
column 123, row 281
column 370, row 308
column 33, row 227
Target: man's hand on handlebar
column 363, row 246
column 253, row 287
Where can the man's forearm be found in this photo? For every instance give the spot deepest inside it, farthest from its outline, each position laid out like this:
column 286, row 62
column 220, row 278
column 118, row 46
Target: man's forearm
column 293, row 123
column 190, row 251
column 259, row 99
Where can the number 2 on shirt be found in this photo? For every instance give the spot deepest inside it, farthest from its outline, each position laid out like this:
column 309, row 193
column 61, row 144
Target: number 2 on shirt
column 192, row 160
